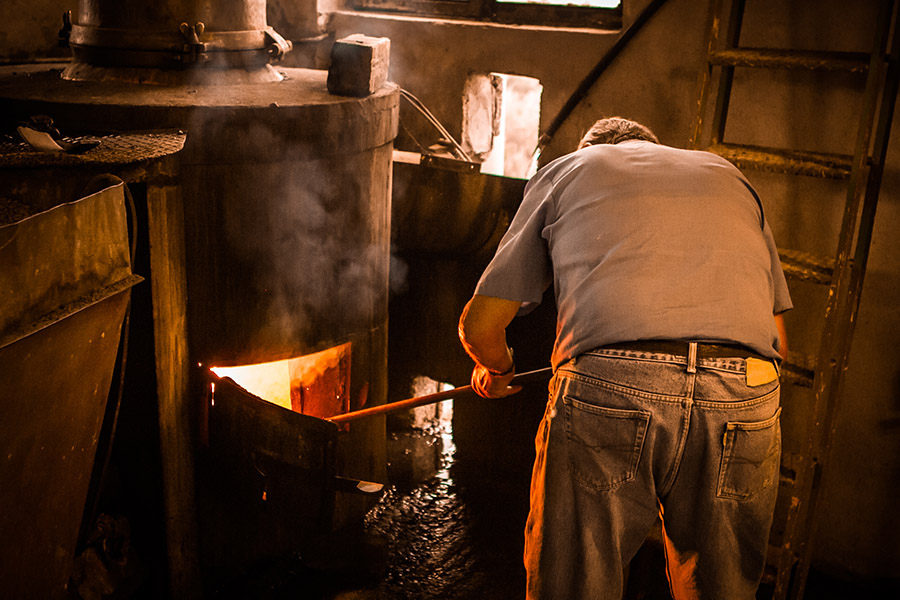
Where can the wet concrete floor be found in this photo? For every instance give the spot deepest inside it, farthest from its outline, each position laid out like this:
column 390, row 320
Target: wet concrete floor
column 436, row 539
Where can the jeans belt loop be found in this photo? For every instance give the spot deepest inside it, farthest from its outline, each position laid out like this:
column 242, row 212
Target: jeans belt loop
column 692, row 357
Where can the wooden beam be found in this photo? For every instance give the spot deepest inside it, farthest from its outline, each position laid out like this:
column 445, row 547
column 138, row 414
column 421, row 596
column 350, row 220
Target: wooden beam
column 169, row 296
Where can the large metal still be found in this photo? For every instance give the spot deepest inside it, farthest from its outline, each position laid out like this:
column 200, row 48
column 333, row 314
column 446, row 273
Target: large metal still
column 284, row 245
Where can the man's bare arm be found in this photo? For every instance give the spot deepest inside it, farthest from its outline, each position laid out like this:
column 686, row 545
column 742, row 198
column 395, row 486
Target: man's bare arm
column 482, row 331
column 782, row 336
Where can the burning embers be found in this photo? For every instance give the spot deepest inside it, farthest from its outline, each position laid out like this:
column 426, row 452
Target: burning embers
column 316, row 384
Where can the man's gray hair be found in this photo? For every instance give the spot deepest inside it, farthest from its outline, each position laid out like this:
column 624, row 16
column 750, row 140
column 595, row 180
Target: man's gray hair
column 614, row 130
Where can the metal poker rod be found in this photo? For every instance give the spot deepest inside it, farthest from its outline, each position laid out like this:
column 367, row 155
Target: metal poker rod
column 536, row 376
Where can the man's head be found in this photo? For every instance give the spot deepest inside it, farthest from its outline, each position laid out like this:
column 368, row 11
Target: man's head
column 614, row 130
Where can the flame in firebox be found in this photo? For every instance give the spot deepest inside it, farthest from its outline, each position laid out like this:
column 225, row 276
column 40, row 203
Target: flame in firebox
column 315, row 384
column 309, row 367
column 270, row 381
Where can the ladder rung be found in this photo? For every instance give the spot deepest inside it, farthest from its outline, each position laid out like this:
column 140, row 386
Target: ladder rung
column 786, row 482
column 775, row 553
column 774, row 557
column 791, row 462
column 794, row 162
column 806, row 267
column 768, row 58
column 797, row 370
column 787, row 477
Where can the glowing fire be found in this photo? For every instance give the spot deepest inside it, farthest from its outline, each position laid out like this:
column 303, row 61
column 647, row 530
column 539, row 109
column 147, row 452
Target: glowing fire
column 316, row 384
column 270, row 381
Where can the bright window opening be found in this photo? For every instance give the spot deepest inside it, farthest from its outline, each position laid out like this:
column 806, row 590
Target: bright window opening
column 436, row 418
column 501, row 120
column 589, row 3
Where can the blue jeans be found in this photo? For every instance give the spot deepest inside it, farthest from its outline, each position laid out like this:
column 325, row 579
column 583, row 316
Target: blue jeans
column 628, row 436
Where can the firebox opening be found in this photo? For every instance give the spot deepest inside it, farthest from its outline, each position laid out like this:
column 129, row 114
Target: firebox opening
column 315, row 384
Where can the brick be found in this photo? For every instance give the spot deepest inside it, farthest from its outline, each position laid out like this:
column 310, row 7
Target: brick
column 359, row 65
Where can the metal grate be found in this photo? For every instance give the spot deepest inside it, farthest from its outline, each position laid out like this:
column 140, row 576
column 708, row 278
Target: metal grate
column 114, row 149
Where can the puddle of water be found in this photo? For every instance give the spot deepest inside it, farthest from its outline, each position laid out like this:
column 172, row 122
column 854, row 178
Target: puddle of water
column 445, row 540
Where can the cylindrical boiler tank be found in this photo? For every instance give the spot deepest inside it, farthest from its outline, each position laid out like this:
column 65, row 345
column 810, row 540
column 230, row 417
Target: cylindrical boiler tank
column 286, row 193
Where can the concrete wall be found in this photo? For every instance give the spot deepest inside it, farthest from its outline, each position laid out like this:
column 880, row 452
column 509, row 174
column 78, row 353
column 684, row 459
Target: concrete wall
column 654, row 81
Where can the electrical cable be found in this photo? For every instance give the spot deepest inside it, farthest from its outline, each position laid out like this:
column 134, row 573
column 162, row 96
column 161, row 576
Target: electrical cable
column 417, row 104
column 421, row 148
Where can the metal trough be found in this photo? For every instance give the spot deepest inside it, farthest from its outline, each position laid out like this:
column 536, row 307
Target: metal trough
column 65, row 275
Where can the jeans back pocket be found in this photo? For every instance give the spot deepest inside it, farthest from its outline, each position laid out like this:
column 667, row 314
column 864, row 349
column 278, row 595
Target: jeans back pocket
column 604, row 443
column 750, row 457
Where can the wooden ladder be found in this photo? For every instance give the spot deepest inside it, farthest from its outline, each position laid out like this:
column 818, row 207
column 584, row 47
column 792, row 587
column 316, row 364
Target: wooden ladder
column 840, row 276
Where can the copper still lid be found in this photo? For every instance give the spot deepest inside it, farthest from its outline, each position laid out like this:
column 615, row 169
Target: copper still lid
column 172, row 41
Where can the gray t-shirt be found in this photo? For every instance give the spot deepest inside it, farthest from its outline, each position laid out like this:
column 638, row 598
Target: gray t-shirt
column 643, row 242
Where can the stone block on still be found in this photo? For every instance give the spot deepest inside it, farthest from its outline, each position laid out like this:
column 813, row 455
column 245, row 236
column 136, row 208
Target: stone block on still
column 359, row 65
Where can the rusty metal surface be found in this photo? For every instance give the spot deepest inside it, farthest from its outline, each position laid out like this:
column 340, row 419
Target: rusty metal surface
column 794, row 162
column 265, row 479
column 59, row 257
column 53, row 393
column 172, row 34
column 223, row 15
column 286, row 258
column 798, row 370
column 32, row 181
column 448, row 212
column 807, row 267
column 64, row 276
column 851, row 62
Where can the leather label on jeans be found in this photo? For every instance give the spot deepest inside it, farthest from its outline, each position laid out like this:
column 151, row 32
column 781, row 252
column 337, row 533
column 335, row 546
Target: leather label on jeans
column 760, row 372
